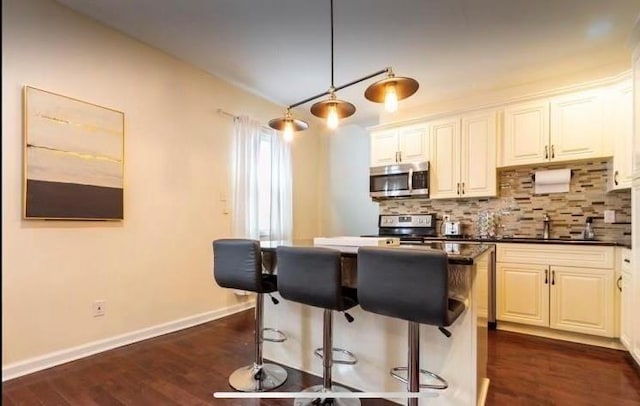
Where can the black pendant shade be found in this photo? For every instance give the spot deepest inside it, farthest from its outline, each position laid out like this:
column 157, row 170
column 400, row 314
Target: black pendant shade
column 280, row 124
column 343, row 108
column 404, row 88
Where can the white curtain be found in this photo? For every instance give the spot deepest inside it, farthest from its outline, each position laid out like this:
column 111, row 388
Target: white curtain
column 245, row 216
column 281, row 216
column 246, row 205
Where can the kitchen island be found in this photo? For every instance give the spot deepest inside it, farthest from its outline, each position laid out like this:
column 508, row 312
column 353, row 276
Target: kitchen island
column 380, row 342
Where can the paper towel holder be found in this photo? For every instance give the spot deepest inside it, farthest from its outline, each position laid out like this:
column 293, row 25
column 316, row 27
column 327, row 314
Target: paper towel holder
column 533, row 176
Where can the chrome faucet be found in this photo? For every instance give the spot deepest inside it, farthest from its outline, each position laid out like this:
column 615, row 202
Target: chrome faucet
column 546, row 227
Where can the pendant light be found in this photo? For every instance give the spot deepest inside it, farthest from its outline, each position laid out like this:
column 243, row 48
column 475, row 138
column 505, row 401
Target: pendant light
column 388, row 91
column 288, row 125
column 332, row 109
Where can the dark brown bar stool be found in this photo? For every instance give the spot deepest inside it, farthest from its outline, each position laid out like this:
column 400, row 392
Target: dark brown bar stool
column 237, row 264
column 412, row 285
column 313, row 276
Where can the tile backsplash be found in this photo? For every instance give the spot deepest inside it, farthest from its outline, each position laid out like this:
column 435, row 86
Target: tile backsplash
column 521, row 212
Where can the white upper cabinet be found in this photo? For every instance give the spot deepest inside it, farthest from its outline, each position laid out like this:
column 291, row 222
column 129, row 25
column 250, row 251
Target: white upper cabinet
column 400, row 145
column 563, row 128
column 525, row 139
column 577, row 126
column 445, row 159
column 463, row 156
column 478, row 163
column 620, row 131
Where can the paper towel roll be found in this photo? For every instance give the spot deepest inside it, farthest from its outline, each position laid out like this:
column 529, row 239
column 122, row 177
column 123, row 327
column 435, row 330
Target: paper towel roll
column 552, row 181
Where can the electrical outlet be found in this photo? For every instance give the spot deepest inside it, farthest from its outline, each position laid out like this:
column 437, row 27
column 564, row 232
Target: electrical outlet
column 99, row 308
column 609, row 216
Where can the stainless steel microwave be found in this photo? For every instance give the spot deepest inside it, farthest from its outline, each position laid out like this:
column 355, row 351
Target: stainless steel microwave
column 400, row 180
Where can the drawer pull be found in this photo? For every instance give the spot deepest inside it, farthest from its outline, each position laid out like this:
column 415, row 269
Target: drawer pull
column 627, row 260
column 546, row 152
column 618, row 283
column 553, row 277
column 546, row 276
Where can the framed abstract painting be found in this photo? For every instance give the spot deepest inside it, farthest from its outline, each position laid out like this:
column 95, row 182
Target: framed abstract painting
column 73, row 158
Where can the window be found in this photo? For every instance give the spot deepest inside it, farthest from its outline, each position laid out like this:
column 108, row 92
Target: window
column 264, row 186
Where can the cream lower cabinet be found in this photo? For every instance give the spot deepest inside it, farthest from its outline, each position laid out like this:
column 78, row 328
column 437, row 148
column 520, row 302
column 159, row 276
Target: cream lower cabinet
column 626, row 299
column 541, row 289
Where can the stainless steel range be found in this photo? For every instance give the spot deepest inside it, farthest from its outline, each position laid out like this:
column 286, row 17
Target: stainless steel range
column 409, row 228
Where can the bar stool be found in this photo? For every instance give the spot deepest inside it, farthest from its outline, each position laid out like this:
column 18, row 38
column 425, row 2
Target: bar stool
column 237, row 264
column 418, row 293
column 313, row 276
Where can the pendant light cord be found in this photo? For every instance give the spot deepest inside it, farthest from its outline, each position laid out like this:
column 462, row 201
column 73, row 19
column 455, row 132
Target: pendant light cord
column 332, row 44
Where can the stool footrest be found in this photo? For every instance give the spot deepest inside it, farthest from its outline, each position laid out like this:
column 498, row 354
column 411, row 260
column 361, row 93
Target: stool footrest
column 351, row 359
column 442, row 383
column 279, row 338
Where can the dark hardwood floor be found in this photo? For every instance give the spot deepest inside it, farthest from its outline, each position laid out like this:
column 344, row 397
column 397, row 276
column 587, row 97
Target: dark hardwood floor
column 186, row 367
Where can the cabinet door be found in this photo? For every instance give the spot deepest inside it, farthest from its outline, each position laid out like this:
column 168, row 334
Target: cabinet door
column 577, row 126
column 522, row 293
column 478, row 155
column 582, row 300
column 384, row 148
column 445, row 159
column 621, row 126
column 413, row 144
column 626, row 311
column 526, row 133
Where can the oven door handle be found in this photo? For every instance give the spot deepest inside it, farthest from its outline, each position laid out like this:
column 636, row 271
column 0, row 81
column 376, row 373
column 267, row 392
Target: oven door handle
column 410, row 180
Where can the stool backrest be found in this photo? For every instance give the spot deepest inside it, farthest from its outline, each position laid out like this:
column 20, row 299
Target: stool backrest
column 310, row 275
column 404, row 283
column 237, row 264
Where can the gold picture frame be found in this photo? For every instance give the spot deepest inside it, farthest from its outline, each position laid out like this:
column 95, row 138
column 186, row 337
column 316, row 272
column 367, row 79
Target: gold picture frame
column 73, row 158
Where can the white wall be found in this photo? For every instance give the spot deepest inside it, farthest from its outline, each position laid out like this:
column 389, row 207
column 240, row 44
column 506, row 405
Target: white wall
column 156, row 265
column 347, row 208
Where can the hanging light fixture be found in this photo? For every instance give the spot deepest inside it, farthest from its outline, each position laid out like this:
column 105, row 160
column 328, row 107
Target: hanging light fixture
column 388, row 91
column 288, row 125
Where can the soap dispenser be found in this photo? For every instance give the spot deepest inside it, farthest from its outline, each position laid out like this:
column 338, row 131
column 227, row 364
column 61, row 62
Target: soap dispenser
column 587, row 233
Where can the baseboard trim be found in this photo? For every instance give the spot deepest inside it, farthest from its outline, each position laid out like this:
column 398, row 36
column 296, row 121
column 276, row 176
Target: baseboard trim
column 53, row 359
column 612, row 343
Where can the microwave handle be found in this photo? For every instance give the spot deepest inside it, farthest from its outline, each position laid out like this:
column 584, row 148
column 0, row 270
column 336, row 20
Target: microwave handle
column 410, row 180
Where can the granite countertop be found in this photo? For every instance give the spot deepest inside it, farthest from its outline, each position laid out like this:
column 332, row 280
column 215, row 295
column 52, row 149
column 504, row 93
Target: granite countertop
column 531, row 240
column 459, row 252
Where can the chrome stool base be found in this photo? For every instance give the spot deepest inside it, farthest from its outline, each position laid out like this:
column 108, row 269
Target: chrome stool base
column 324, row 397
column 255, row 378
column 437, row 382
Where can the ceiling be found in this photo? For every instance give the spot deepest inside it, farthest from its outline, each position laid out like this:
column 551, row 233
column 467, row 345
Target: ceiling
column 280, row 49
